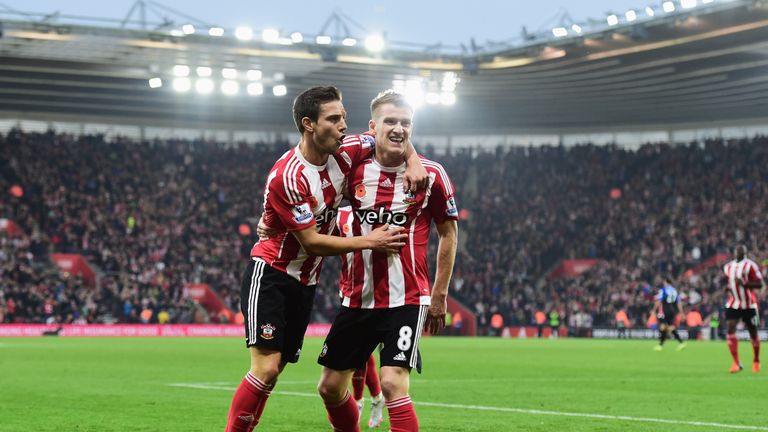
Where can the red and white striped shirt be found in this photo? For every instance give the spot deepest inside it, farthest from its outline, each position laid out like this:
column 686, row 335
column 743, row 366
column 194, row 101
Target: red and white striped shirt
column 747, row 271
column 375, row 279
column 299, row 195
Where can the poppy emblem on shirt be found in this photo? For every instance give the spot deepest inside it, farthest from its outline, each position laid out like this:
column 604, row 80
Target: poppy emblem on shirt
column 360, row 191
column 345, row 228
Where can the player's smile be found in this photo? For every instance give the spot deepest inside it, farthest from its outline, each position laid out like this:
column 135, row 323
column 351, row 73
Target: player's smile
column 396, row 140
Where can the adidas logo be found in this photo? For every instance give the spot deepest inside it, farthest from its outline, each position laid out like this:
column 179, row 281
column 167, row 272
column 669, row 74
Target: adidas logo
column 325, row 184
column 387, row 183
column 399, row 357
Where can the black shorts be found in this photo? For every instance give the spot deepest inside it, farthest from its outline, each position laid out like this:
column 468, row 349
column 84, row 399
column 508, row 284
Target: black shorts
column 668, row 316
column 276, row 308
column 749, row 316
column 355, row 333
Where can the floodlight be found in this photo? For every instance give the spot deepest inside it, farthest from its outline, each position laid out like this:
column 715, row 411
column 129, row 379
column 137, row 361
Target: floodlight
column 253, row 74
column 204, row 71
column 155, row 83
column 668, row 6
column 612, row 20
column 181, row 70
column 649, row 11
column 560, row 31
column 576, row 28
column 182, row 85
column 374, row 43
column 270, row 36
column 244, row 33
column 688, row 4
column 255, row 89
column 204, row 86
column 297, row 37
column 630, row 15
column 188, row 29
column 229, row 73
column 349, row 42
column 279, row 90
column 216, row 31
column 323, row 40
column 230, row 87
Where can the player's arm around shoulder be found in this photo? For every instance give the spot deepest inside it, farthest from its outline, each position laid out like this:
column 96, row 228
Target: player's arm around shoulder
column 382, row 239
column 448, row 235
column 416, row 176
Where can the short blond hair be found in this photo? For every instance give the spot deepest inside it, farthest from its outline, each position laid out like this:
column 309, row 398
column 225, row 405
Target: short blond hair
column 389, row 97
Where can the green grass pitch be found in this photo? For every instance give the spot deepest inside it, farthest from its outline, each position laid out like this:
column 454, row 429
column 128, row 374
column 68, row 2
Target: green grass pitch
column 469, row 384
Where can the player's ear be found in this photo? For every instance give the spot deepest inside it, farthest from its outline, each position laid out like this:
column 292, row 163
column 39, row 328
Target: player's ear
column 372, row 126
column 306, row 122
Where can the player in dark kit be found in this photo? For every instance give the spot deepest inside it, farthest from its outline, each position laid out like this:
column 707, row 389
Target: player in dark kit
column 743, row 278
column 667, row 309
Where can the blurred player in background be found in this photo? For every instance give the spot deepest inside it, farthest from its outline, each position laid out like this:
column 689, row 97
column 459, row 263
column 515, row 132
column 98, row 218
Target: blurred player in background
column 301, row 197
column 743, row 279
column 386, row 297
column 667, row 309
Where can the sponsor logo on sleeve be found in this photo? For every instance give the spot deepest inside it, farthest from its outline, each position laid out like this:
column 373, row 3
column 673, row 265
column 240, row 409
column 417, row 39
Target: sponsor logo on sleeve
column 451, row 209
column 368, row 140
column 302, row 213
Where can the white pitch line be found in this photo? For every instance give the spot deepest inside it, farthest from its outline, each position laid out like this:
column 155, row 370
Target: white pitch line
column 516, row 410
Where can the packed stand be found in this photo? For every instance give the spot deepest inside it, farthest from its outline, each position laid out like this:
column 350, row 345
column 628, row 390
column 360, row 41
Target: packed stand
column 156, row 216
column 658, row 210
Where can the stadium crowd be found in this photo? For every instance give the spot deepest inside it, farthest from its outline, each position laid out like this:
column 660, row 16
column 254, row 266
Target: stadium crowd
column 155, row 216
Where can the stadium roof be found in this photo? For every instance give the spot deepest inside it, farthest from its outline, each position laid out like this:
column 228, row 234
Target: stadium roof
column 703, row 65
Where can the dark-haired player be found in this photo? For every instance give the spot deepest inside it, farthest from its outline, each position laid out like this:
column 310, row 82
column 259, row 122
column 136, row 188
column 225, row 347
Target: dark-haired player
column 301, row 197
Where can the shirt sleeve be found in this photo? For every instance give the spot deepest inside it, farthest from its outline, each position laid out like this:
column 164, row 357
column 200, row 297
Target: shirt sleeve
column 442, row 202
column 660, row 295
column 357, row 148
column 754, row 274
column 289, row 199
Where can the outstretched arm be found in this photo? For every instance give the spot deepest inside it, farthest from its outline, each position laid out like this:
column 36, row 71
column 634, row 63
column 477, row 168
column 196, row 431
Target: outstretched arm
column 446, row 254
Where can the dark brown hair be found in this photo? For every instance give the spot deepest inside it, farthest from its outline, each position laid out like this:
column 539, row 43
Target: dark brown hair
column 307, row 104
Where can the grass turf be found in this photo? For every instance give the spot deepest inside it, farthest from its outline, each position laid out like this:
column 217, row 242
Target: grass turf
column 100, row 384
